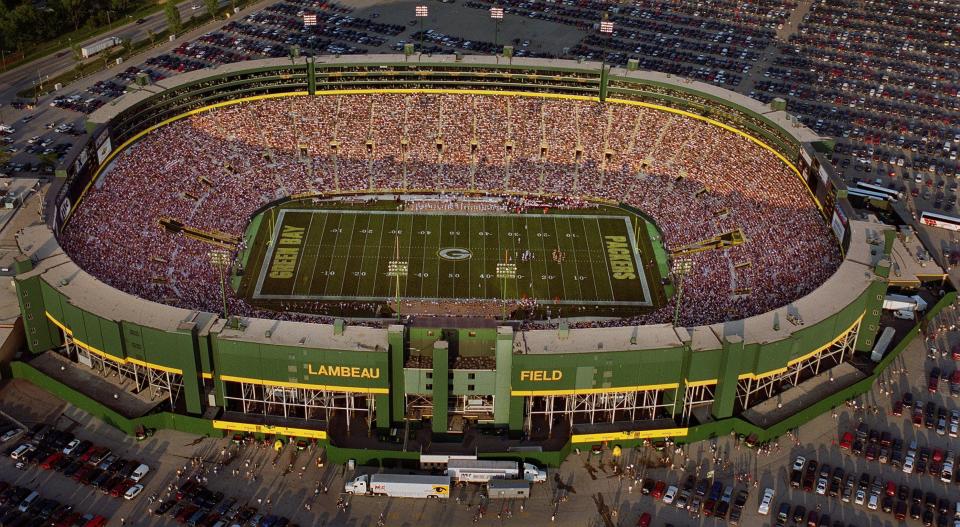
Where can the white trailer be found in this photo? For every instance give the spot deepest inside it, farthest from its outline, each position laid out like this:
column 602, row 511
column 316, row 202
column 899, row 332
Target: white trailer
column 483, row 470
column 902, row 302
column 880, row 348
column 92, row 49
column 400, row 486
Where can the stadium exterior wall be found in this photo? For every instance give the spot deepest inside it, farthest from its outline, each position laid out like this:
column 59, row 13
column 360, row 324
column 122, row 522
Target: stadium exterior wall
column 208, row 352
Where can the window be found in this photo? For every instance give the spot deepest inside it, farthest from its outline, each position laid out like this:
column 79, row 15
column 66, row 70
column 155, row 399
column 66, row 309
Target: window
column 471, row 387
column 429, row 386
column 471, row 376
column 429, row 374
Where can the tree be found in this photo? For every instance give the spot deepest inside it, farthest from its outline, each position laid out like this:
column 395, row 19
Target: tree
column 76, row 10
column 152, row 36
column 212, row 6
column 173, row 17
column 127, row 45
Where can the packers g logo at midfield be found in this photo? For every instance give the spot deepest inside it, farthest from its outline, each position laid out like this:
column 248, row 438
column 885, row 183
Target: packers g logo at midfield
column 455, row 253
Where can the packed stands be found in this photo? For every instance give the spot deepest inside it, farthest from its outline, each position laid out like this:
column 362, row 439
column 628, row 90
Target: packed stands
column 213, row 170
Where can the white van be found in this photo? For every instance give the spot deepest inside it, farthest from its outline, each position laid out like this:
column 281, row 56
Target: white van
column 21, row 451
column 28, row 501
column 139, row 473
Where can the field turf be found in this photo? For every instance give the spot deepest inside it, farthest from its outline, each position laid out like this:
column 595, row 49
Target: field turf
column 345, row 255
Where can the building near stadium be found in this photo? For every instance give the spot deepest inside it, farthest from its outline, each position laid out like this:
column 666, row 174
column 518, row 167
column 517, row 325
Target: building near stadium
column 361, row 351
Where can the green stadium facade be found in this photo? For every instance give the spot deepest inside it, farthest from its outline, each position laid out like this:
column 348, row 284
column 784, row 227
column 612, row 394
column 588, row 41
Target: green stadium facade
column 392, row 390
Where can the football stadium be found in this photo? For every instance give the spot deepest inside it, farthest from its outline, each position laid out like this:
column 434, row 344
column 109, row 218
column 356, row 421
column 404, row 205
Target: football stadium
column 396, row 256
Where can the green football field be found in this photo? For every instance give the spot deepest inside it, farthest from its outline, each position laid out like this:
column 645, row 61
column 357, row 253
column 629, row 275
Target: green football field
column 356, row 255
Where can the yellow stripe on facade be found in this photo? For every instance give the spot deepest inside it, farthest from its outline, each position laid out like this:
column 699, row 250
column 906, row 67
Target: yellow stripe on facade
column 267, row 429
column 106, row 355
column 321, row 387
column 841, row 336
column 629, row 435
column 584, row 391
column 695, row 384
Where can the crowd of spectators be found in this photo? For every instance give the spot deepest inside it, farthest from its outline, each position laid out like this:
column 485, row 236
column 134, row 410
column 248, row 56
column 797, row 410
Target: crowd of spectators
column 212, row 170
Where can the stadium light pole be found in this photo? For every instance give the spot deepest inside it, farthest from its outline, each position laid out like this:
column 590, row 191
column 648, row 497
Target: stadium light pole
column 398, row 268
column 221, row 258
column 505, row 270
column 421, row 12
column 606, row 28
column 496, row 13
column 681, row 267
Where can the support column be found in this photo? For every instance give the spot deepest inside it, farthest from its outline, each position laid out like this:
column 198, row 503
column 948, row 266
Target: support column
column 504, row 357
column 678, row 397
column 382, row 409
column 516, row 415
column 390, row 409
column 726, row 392
column 441, row 391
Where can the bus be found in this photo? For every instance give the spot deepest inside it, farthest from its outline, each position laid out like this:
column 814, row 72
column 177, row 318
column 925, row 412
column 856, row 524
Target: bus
column 940, row 220
column 854, row 191
column 878, row 189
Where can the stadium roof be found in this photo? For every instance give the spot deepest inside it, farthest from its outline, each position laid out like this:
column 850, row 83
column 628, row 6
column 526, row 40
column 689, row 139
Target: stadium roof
column 305, row 335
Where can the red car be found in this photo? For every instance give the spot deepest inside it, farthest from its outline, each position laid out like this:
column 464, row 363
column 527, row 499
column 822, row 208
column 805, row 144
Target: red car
column 97, row 521
column 51, row 460
column 934, row 381
column 846, row 440
column 86, row 455
column 897, row 408
column 120, row 488
column 644, row 520
column 955, row 352
column 658, row 490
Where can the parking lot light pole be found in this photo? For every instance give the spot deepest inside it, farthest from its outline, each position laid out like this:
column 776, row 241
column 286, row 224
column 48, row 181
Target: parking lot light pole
column 220, row 259
column 421, row 12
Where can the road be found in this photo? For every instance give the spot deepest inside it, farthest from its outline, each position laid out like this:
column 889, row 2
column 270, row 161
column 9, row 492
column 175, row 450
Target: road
column 23, row 76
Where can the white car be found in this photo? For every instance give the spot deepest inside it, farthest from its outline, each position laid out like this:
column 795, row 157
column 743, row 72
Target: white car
column 71, row 447
column 765, row 502
column 799, row 463
column 872, row 503
column 860, row 497
column 671, row 493
column 822, row 486
column 133, row 492
column 908, row 465
column 10, row 434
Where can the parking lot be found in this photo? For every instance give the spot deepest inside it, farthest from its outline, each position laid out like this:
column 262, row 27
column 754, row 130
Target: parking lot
column 860, row 448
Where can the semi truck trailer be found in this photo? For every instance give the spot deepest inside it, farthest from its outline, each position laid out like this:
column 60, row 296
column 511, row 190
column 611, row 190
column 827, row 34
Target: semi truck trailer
column 399, row 486
column 483, row 470
column 92, row 49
